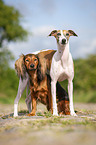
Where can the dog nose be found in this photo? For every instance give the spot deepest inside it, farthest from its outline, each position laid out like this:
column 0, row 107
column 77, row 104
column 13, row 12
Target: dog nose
column 31, row 65
column 63, row 41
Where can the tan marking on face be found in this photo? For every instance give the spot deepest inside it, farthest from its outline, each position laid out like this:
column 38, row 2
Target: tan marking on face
column 66, row 33
column 57, row 34
column 31, row 60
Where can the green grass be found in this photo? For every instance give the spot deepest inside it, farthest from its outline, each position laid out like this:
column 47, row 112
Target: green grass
column 9, row 99
column 60, row 122
column 85, row 97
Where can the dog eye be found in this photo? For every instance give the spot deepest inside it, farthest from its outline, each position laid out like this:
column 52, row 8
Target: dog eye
column 35, row 59
column 27, row 60
column 67, row 34
column 59, row 34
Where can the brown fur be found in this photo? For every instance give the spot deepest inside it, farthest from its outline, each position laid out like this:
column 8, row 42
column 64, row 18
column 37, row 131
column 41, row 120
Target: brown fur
column 20, row 67
column 38, row 81
column 40, row 86
column 67, row 33
column 63, row 109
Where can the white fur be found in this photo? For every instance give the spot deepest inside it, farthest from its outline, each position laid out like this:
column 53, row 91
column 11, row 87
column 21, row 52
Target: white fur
column 36, row 52
column 22, row 85
column 61, row 69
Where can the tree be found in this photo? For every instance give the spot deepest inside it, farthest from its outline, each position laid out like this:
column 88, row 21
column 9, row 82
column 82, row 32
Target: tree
column 10, row 28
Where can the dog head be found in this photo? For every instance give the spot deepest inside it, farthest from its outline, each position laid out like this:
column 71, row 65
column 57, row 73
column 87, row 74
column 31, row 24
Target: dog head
column 31, row 62
column 62, row 36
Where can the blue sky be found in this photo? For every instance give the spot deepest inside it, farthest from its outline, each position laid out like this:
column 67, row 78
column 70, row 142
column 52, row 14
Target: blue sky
column 40, row 17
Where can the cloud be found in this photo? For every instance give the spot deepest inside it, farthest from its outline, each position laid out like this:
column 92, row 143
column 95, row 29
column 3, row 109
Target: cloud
column 42, row 31
column 79, row 47
column 22, row 7
column 48, row 6
column 82, row 50
column 35, row 42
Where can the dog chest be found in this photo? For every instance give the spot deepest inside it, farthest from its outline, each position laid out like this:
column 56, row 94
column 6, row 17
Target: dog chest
column 59, row 72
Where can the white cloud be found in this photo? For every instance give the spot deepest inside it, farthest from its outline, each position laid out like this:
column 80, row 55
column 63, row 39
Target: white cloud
column 48, row 6
column 82, row 50
column 37, row 41
column 22, row 7
column 42, row 31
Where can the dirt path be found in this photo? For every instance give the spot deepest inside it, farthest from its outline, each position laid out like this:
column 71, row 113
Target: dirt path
column 44, row 129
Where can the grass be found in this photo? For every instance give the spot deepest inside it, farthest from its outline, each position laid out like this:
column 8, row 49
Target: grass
column 47, row 129
column 8, row 97
column 45, row 119
column 53, row 122
column 85, row 97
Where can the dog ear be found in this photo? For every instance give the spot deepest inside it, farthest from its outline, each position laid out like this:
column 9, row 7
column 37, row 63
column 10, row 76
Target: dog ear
column 72, row 33
column 23, row 67
column 39, row 73
column 20, row 67
column 53, row 33
column 23, row 57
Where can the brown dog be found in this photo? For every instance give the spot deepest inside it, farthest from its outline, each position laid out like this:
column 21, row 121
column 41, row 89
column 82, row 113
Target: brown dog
column 38, row 67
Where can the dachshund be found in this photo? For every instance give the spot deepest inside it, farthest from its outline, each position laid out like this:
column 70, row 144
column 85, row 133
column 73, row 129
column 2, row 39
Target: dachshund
column 38, row 68
column 23, row 82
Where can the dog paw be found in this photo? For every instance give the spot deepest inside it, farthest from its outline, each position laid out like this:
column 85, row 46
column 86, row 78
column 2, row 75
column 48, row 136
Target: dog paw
column 55, row 114
column 73, row 114
column 15, row 115
column 31, row 114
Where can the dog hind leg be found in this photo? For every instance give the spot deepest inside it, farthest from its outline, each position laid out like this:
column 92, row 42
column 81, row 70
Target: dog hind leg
column 28, row 102
column 21, row 88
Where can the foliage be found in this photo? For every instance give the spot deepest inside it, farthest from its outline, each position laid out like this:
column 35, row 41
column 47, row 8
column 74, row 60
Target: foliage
column 8, row 86
column 5, row 58
column 84, row 82
column 10, row 28
column 85, row 74
column 84, row 79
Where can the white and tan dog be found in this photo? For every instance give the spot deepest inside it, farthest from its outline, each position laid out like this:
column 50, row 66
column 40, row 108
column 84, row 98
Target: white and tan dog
column 62, row 66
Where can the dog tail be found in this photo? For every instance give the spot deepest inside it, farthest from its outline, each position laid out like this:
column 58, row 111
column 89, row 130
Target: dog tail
column 20, row 67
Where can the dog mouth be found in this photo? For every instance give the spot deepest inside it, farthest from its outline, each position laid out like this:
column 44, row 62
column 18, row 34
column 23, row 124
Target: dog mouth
column 32, row 69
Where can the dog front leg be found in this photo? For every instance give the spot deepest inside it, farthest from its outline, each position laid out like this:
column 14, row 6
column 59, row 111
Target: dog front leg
column 53, row 91
column 70, row 92
column 33, row 113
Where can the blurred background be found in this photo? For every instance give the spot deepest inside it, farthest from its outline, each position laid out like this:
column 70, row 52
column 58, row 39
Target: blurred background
column 24, row 27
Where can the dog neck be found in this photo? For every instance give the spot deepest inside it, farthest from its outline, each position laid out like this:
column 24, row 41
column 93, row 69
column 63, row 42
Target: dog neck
column 33, row 78
column 63, row 54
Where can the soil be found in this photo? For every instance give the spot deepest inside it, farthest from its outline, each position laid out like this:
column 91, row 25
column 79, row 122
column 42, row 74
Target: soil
column 44, row 129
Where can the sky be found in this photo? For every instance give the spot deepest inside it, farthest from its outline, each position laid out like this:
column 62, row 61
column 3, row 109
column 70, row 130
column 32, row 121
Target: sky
column 40, row 17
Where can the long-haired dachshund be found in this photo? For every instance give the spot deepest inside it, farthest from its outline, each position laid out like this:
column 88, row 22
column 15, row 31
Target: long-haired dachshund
column 38, row 67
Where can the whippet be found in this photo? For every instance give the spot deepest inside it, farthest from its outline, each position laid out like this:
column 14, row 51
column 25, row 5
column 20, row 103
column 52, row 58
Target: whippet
column 62, row 66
